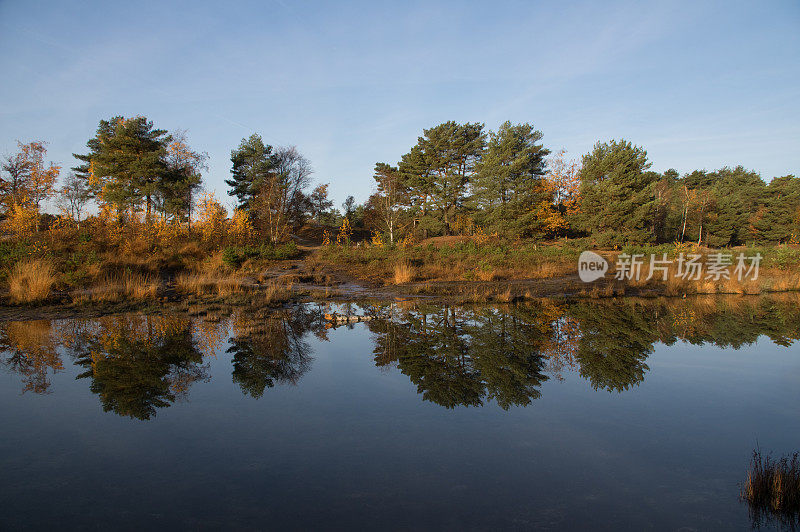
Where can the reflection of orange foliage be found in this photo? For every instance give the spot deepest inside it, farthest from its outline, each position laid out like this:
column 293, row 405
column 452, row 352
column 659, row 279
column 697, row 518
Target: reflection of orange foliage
column 32, row 352
column 562, row 346
column 209, row 335
column 683, row 322
column 107, row 334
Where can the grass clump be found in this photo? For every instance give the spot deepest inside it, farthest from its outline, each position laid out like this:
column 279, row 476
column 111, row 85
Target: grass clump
column 209, row 283
column 125, row 285
column 772, row 489
column 403, row 272
column 31, row 280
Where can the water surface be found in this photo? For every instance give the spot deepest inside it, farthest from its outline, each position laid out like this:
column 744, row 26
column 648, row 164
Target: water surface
column 610, row 415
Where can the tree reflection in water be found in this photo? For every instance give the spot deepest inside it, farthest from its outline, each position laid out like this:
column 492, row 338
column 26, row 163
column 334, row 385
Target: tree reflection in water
column 30, row 352
column 138, row 363
column 461, row 357
column 270, row 349
column 456, row 356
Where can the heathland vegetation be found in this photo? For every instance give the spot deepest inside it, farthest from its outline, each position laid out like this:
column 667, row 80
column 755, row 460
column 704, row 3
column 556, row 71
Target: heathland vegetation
column 462, row 205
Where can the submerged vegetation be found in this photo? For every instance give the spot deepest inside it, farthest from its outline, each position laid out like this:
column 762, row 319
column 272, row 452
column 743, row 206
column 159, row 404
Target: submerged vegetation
column 463, row 205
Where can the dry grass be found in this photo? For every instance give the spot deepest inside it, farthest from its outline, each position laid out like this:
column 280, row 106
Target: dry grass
column 769, row 280
column 773, row 488
column 209, row 283
column 277, row 292
column 548, row 270
column 31, row 280
column 505, row 297
column 403, row 273
column 487, row 274
column 127, row 285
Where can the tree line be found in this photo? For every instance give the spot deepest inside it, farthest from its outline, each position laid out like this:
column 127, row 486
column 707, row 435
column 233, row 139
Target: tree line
column 459, row 178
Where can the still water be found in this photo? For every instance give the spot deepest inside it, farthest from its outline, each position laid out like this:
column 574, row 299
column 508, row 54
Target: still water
column 604, row 415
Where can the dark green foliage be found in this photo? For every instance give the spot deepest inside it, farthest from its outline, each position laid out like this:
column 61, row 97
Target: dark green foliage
column 509, row 183
column 135, row 375
column 617, row 192
column 127, row 158
column 735, row 197
column 271, row 352
column 130, row 163
column 438, row 171
column 614, row 345
column 777, row 218
column 253, row 161
column 461, row 358
column 234, row 256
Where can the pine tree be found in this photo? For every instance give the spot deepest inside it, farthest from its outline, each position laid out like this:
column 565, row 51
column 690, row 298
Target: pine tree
column 439, row 170
column 126, row 162
column 777, row 218
column 617, row 195
column 253, row 161
column 509, row 183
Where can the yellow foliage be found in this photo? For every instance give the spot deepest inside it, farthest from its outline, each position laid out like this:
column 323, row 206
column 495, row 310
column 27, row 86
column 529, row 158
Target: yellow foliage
column 21, row 220
column 211, row 218
column 241, row 228
column 345, row 231
column 462, row 225
column 479, row 236
column 407, row 241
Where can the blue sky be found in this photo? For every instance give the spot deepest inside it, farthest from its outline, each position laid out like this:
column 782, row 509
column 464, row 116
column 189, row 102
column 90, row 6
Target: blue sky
column 698, row 84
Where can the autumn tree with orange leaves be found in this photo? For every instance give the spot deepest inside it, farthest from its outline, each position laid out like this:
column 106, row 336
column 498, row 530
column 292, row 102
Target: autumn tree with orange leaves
column 28, row 180
column 563, row 183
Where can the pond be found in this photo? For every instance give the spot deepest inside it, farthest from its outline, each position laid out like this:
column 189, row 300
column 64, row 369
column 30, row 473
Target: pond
column 622, row 414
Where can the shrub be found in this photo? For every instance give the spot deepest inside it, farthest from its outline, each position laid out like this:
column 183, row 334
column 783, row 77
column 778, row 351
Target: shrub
column 31, row 280
column 234, row 256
